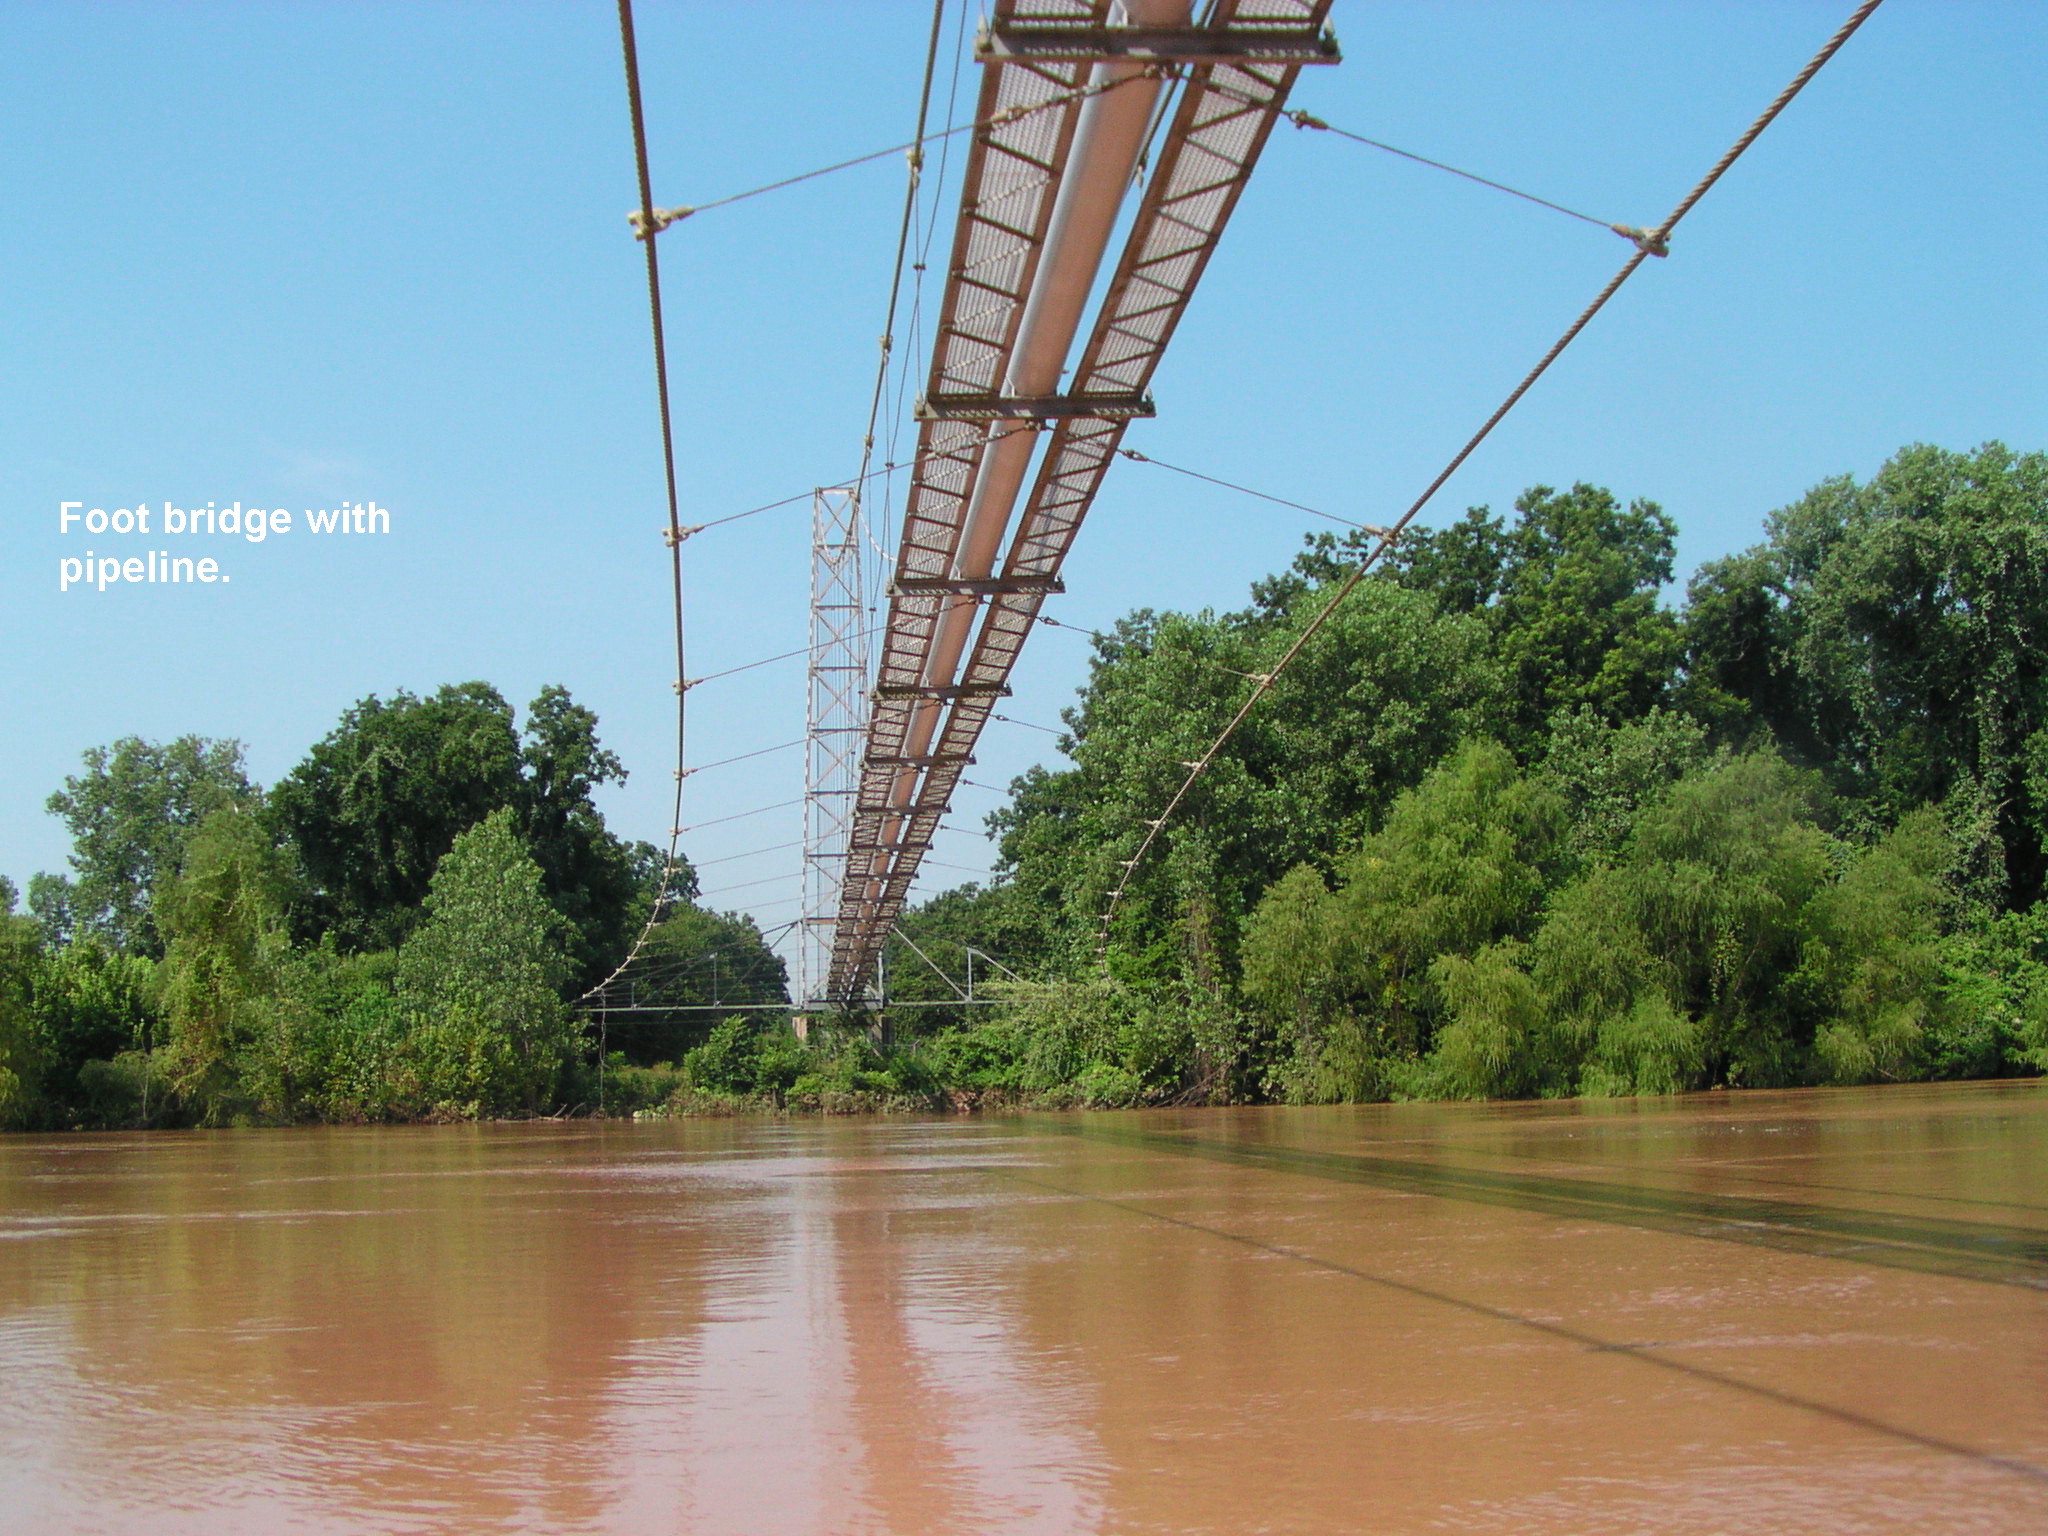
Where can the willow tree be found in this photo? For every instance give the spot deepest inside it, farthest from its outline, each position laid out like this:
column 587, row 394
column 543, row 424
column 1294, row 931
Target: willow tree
column 1462, row 864
column 223, row 921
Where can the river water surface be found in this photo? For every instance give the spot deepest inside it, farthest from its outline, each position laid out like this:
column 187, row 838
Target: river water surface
column 1770, row 1313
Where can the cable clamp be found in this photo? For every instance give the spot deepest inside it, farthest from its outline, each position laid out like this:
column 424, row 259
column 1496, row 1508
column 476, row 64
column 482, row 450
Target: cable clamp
column 1648, row 241
column 673, row 537
column 1302, row 119
column 647, row 221
column 1133, row 455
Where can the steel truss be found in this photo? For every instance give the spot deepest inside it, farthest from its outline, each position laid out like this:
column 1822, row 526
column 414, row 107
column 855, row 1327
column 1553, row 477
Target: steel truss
column 923, row 726
column 836, row 722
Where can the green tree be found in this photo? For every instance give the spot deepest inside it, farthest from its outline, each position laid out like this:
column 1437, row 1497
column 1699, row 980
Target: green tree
column 378, row 803
column 130, row 815
column 53, row 903
column 1607, row 773
column 1734, row 941
column 1707, row 911
column 1872, row 958
column 593, row 879
column 1578, row 617
column 223, row 920
column 1894, row 634
column 1462, row 863
column 1569, row 593
column 479, row 977
column 93, row 1004
column 1375, row 698
column 958, row 930
column 20, row 1059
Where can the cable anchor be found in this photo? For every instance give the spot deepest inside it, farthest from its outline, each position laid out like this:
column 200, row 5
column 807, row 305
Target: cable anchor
column 673, row 537
column 652, row 221
column 1648, row 241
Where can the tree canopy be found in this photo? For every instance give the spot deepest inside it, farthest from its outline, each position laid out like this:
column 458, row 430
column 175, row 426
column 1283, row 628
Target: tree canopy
column 130, row 814
column 376, row 805
column 1894, row 635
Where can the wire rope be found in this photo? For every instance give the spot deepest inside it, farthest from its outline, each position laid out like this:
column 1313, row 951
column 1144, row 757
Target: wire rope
column 1109, row 639
column 1279, row 501
column 1028, row 725
column 647, row 219
column 673, row 535
column 759, row 810
column 723, row 762
column 765, row 661
column 748, row 885
column 887, row 469
column 751, row 853
column 1642, row 239
column 903, row 230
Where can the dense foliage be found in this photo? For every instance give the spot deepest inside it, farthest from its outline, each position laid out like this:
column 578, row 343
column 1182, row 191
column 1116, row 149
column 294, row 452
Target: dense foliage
column 1511, row 824
column 396, row 930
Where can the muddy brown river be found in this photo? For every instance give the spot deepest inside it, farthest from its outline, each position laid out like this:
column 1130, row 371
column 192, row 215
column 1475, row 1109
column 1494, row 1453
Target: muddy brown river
column 1772, row 1313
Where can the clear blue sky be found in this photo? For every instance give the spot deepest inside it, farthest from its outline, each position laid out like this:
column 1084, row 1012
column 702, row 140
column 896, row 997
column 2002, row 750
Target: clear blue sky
column 290, row 254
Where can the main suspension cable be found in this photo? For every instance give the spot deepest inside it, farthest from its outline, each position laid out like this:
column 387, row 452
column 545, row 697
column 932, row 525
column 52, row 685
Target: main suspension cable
column 673, row 534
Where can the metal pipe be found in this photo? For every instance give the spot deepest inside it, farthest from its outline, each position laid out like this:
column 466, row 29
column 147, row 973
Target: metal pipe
column 1101, row 165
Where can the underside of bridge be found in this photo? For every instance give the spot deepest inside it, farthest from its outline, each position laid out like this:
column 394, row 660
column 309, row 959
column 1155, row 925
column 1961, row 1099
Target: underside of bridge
column 1013, row 439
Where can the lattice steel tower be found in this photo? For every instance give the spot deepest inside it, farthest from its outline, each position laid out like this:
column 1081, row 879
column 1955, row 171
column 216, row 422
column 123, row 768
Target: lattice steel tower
column 837, row 722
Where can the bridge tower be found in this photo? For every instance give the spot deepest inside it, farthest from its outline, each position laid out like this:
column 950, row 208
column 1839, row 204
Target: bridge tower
column 836, row 722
